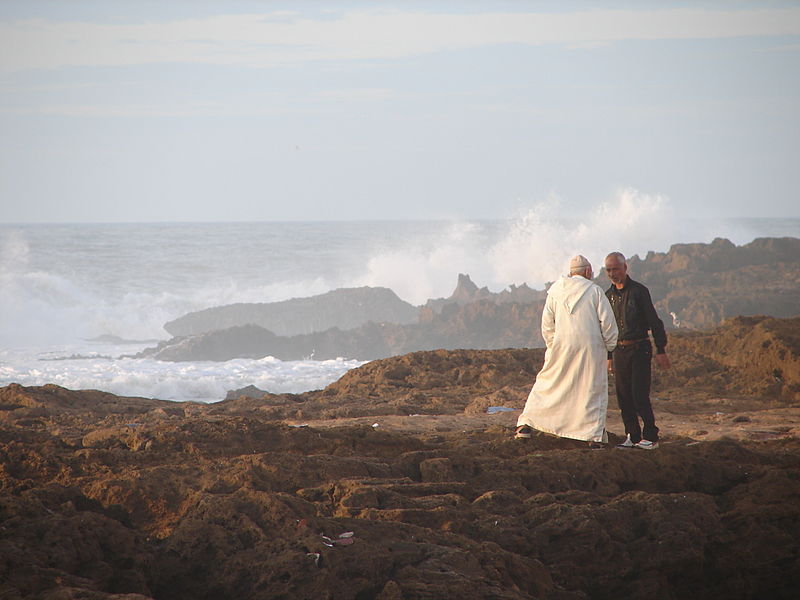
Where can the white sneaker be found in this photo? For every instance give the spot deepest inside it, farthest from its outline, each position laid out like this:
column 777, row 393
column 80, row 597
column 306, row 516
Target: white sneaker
column 627, row 443
column 646, row 445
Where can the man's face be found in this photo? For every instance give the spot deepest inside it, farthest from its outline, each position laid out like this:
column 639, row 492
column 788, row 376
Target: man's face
column 616, row 270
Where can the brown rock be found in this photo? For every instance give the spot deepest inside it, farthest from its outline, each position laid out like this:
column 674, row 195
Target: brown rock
column 103, row 497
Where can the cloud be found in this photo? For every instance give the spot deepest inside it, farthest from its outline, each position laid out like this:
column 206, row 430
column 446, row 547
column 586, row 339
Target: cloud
column 359, row 94
column 275, row 39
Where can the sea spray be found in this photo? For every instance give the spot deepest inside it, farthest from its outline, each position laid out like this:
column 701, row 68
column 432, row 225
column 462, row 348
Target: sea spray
column 427, row 267
column 201, row 381
column 535, row 246
column 532, row 248
column 539, row 244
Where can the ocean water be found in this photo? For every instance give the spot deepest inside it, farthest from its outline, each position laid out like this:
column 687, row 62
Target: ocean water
column 106, row 290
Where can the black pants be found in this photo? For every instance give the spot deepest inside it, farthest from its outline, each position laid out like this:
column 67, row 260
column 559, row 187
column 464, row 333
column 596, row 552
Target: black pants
column 632, row 366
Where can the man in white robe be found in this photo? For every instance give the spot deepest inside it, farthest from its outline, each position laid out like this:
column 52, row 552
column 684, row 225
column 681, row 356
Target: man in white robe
column 570, row 396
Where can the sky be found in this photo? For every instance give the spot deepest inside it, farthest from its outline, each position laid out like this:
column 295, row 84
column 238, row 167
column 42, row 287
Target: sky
column 141, row 111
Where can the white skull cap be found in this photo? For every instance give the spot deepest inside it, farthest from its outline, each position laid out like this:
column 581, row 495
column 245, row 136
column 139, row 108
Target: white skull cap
column 579, row 262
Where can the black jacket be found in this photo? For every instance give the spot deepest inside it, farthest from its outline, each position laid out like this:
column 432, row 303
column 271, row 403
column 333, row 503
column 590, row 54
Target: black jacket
column 635, row 313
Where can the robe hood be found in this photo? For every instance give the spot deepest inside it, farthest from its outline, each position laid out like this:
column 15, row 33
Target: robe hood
column 569, row 290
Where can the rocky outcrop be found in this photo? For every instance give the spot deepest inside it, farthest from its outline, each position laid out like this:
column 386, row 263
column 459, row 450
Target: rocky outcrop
column 469, row 318
column 466, row 292
column 344, row 309
column 111, row 498
column 754, row 357
column 366, row 342
column 744, row 356
column 483, row 324
column 694, row 286
column 703, row 284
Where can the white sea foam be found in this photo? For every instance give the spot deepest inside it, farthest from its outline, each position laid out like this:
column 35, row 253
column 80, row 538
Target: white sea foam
column 197, row 381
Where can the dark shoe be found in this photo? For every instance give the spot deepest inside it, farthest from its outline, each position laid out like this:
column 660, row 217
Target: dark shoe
column 524, row 432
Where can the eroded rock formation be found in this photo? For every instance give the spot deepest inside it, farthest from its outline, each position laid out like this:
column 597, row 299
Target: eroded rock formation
column 483, row 324
column 288, row 496
column 693, row 286
column 703, row 284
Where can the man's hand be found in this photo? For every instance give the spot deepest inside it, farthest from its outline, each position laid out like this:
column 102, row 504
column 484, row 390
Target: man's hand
column 663, row 361
column 610, row 365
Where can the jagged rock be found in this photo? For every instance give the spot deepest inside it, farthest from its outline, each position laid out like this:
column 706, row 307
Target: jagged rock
column 692, row 285
column 745, row 357
column 249, row 391
column 469, row 318
column 482, row 324
column 103, row 497
column 753, row 356
column 703, row 284
column 251, row 341
column 466, row 292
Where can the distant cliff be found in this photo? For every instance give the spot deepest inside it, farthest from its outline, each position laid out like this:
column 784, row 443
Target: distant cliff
column 482, row 324
column 703, row 284
column 693, row 286
column 345, row 308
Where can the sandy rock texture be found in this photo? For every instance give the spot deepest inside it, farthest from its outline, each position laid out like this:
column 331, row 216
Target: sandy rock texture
column 395, row 483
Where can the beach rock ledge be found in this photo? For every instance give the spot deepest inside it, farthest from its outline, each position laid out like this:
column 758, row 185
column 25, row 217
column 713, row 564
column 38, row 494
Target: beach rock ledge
column 397, row 482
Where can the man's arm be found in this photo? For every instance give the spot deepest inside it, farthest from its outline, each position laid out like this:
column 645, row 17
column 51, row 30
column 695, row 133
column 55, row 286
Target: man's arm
column 608, row 323
column 654, row 322
column 548, row 322
column 656, row 326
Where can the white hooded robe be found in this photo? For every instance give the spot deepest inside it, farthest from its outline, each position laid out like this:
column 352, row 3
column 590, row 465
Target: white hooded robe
column 570, row 395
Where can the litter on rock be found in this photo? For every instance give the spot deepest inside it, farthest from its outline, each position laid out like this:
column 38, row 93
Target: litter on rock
column 343, row 539
column 376, row 425
column 499, row 409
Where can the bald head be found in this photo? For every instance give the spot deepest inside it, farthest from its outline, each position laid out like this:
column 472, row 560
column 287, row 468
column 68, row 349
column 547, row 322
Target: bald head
column 617, row 269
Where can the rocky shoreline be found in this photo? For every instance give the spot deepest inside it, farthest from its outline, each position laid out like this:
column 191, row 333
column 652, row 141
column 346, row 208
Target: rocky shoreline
column 397, row 482
column 693, row 286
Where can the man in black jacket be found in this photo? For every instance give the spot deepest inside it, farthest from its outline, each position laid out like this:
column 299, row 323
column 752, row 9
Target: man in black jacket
column 631, row 359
